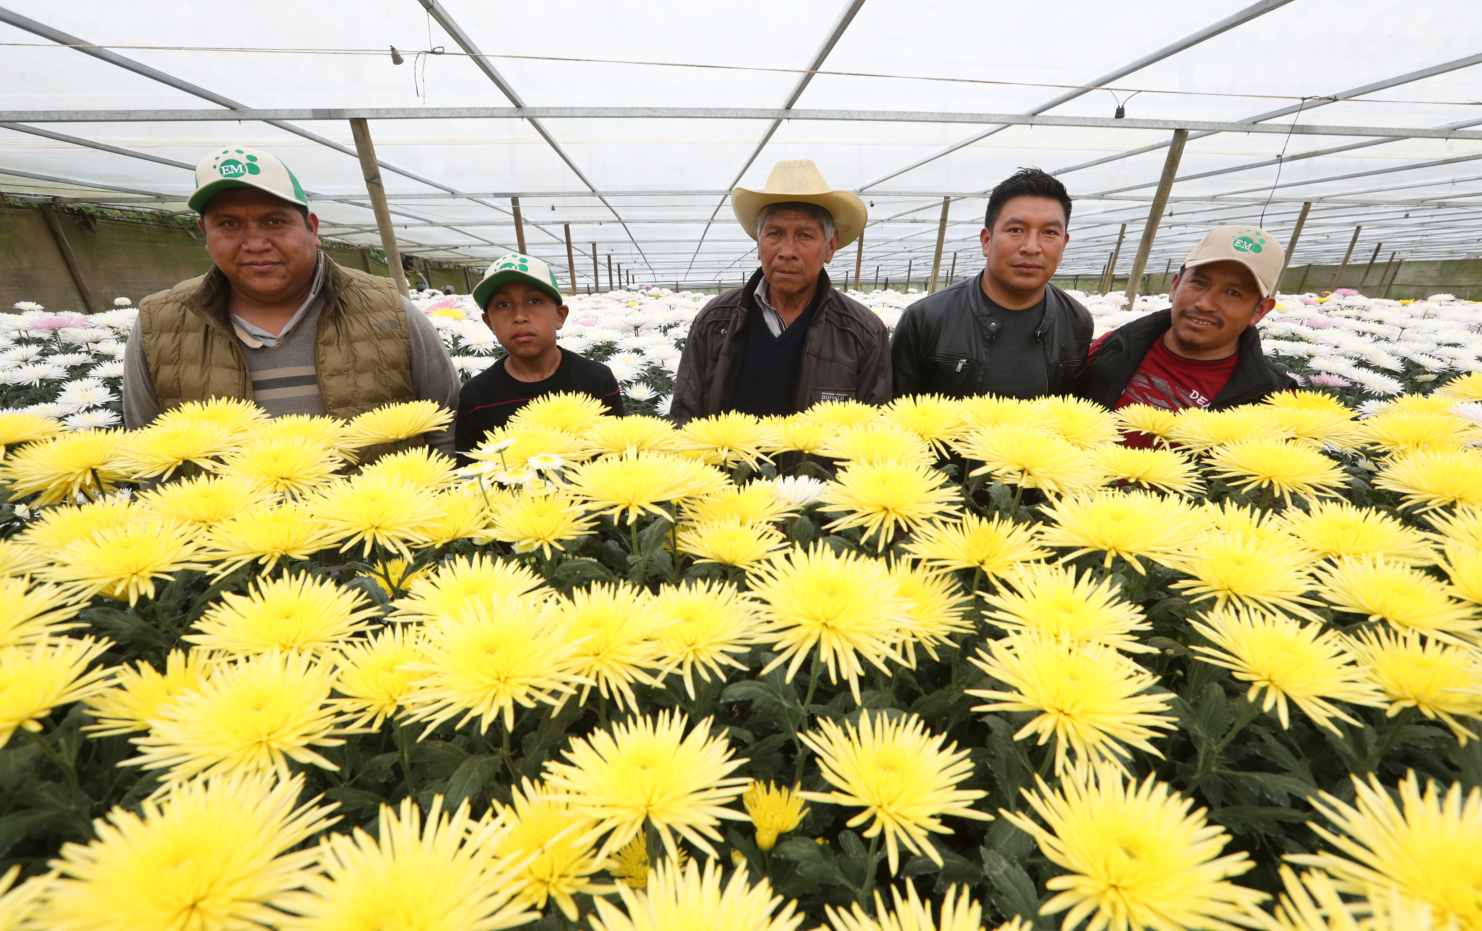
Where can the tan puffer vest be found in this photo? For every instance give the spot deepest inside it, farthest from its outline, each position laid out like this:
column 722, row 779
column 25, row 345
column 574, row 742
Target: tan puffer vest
column 362, row 352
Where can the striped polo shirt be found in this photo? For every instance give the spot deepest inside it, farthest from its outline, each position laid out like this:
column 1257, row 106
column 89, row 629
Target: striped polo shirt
column 282, row 364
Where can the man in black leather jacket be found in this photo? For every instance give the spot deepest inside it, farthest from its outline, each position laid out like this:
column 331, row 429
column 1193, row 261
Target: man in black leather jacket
column 1007, row 331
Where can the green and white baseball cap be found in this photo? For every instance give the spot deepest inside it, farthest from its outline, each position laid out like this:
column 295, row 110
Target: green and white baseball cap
column 239, row 166
column 1251, row 246
column 517, row 267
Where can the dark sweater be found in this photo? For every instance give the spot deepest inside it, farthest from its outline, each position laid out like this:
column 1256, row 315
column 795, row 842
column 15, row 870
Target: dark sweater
column 768, row 380
column 493, row 396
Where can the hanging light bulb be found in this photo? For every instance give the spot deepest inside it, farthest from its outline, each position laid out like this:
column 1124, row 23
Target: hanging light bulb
column 396, row 58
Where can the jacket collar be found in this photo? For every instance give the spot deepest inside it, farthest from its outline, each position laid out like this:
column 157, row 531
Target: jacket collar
column 822, row 291
column 210, row 299
column 1253, row 375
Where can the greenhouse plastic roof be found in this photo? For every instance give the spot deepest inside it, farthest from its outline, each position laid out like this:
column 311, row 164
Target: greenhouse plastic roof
column 645, row 188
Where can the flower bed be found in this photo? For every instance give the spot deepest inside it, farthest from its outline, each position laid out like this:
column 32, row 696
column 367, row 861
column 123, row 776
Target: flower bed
column 1014, row 672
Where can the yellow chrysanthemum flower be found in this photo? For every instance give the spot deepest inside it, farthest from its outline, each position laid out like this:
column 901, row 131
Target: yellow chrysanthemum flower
column 139, row 691
column 935, row 607
column 204, row 501
column 614, row 633
column 1161, row 469
column 993, row 545
column 1464, row 387
column 1427, row 846
column 327, row 432
column 18, row 903
column 629, row 863
column 238, row 415
column 213, row 853
column 1278, row 467
column 1405, row 597
column 1413, row 431
column 422, row 468
column 37, row 677
column 1052, row 603
column 1233, row 569
column 266, row 535
column 647, row 770
column 1316, row 423
column 679, row 896
column 773, row 811
column 1251, row 524
column 1306, row 400
column 373, row 675
column 461, row 582
column 1126, row 524
column 511, row 446
column 1287, row 660
column 395, row 423
column 458, row 514
column 162, row 447
column 124, row 563
column 18, row 558
column 292, row 613
column 1088, row 697
column 373, row 511
column 61, row 468
column 987, row 410
column 1442, row 681
column 569, row 412
column 557, row 839
column 1430, row 479
column 1463, row 566
column 752, row 503
column 635, row 433
column 17, row 427
column 1463, row 524
column 1201, row 429
column 1313, row 903
column 33, row 612
column 844, row 606
column 900, row 774
column 251, row 715
column 957, row 912
column 936, row 419
column 1021, row 454
column 287, row 464
column 495, row 654
column 798, row 433
column 703, row 626
column 836, row 415
column 1337, row 528
column 1136, row 858
column 444, row 874
column 878, row 496
column 1083, row 424
column 633, row 485
column 534, row 520
column 1157, row 422
column 58, row 527
column 727, row 439
column 730, row 542
column 877, row 442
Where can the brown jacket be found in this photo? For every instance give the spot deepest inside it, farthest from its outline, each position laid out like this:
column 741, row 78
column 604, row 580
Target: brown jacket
column 846, row 356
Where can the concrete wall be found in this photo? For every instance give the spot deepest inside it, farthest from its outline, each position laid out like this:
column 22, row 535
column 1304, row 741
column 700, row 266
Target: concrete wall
column 124, row 257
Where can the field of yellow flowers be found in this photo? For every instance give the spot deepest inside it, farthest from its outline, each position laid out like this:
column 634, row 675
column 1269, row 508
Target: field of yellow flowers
column 942, row 665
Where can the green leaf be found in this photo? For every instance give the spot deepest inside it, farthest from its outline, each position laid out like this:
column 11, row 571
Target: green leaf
column 803, row 530
column 1014, row 892
column 355, row 799
column 1246, row 819
column 654, row 536
column 574, row 572
column 815, row 861
column 469, row 779
column 1276, row 787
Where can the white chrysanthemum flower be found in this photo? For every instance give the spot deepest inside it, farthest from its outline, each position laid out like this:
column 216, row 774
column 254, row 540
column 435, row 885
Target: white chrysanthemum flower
column 113, row 368
column 95, row 419
column 87, row 392
column 122, row 302
column 24, row 306
column 641, row 392
column 798, row 490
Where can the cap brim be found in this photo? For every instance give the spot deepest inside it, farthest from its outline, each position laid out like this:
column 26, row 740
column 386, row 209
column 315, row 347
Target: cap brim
column 1254, row 273
column 486, row 287
column 202, row 196
column 848, row 211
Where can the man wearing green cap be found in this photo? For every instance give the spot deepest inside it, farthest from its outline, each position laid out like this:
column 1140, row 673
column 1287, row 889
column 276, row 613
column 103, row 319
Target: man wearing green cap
column 275, row 320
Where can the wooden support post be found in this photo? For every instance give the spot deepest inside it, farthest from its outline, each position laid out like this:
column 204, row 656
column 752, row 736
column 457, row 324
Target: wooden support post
column 1338, row 278
column 1167, row 267
column 610, row 285
column 519, row 226
column 1385, row 272
column 596, row 270
column 908, row 276
column 1303, row 283
column 74, row 268
column 858, row 257
column 570, row 258
column 877, row 277
column 1110, row 274
column 1370, row 267
column 1075, row 283
column 1155, row 215
column 936, row 259
column 468, row 278
column 365, row 259
column 373, row 186
column 952, row 275
column 1291, row 247
column 1393, row 277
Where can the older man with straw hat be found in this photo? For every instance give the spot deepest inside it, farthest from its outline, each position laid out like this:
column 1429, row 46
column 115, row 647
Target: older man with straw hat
column 787, row 340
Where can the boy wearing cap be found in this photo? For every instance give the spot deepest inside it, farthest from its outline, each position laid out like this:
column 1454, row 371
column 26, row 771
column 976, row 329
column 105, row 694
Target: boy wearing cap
column 523, row 307
column 1204, row 351
column 275, row 321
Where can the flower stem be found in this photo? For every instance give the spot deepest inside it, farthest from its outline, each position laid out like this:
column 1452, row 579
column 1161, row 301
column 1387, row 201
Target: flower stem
column 68, row 770
column 406, row 759
column 797, row 778
column 1206, row 766
column 1373, row 759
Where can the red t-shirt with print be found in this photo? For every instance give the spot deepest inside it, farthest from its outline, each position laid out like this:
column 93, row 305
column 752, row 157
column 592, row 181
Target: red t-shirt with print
column 1167, row 380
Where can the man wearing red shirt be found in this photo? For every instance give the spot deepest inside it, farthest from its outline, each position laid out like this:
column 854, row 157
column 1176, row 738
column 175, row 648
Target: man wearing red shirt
column 1204, row 351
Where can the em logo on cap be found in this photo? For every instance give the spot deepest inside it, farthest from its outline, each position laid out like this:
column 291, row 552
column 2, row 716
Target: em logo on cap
column 1251, row 246
column 235, row 167
column 517, row 267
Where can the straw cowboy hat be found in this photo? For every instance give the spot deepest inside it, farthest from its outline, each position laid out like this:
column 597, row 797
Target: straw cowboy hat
column 800, row 180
